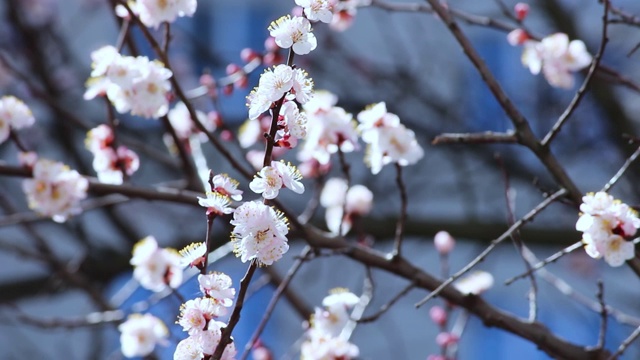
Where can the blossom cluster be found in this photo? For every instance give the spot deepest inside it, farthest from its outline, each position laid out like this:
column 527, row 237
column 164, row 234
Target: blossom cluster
column 55, row 190
column 109, row 161
column 343, row 204
column 329, row 129
column 608, row 225
column 132, row 84
column 152, row 12
column 324, row 336
column 388, row 141
column 224, row 189
column 198, row 318
column 14, row 115
column 277, row 82
column 555, row 56
column 156, row 268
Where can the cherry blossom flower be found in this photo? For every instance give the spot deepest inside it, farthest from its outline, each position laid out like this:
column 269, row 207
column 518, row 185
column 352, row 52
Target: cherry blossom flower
column 274, row 83
column 327, row 132
column 152, row 13
column 295, row 122
column 324, row 340
column 195, row 314
column 259, row 233
column 217, row 286
column 293, row 32
column 608, row 225
column 132, row 84
column 226, row 185
column 257, row 103
column 345, row 12
column 156, row 268
column 188, row 349
column 323, row 347
column 557, row 58
column 55, row 190
column 302, row 86
column 216, row 203
column 180, row 120
column 475, row 283
column 139, row 335
column 193, row 254
column 344, row 204
column 388, row 140
column 271, row 179
column 14, row 114
column 316, row 10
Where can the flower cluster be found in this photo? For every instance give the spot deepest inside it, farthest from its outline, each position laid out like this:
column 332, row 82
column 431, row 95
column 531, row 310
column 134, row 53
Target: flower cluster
column 329, row 129
column 344, row 204
column 152, row 12
column 555, row 56
column 271, row 179
column 14, row 115
column 139, row 335
column 133, row 84
column 316, row 10
column 55, row 190
column 198, row 316
column 608, row 225
column 324, row 340
column 344, row 12
column 259, row 233
column 274, row 84
column 388, row 140
column 224, row 188
column 108, row 161
column 156, row 268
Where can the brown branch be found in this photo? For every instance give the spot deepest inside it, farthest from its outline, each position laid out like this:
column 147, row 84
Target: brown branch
column 397, row 246
column 384, row 308
column 487, row 137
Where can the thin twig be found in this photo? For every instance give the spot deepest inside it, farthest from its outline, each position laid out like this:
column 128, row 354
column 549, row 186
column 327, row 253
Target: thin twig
column 545, row 262
column 622, row 170
column 585, row 84
column 397, row 244
column 517, row 225
column 293, row 270
column 603, row 315
column 384, row 308
column 625, row 344
column 517, row 241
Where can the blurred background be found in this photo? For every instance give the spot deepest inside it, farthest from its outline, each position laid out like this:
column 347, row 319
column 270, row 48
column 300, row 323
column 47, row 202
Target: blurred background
column 410, row 61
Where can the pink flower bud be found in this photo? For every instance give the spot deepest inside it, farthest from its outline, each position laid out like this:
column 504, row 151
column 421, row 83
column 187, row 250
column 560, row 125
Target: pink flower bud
column 444, row 242
column 521, row 10
column 228, row 89
column 232, row 68
column 517, row 37
column 247, row 55
column 445, row 339
column 438, row 315
column 207, row 80
column 270, row 44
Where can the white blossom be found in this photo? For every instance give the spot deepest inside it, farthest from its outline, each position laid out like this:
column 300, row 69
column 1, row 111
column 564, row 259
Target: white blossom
column 217, row 286
column 156, row 268
column 216, row 203
column 14, row 114
column 317, row 10
column 475, row 283
column 152, row 13
column 55, row 190
column 293, row 32
column 139, row 335
column 259, row 233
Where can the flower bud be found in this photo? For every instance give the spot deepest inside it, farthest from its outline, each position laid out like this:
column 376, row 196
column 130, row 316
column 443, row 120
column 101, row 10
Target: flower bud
column 438, row 315
column 521, row 10
column 445, row 339
column 247, row 55
column 517, row 37
column 444, row 242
